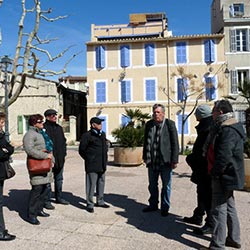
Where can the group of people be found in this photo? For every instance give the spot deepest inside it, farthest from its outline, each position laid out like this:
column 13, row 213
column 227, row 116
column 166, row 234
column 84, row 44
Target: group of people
column 216, row 162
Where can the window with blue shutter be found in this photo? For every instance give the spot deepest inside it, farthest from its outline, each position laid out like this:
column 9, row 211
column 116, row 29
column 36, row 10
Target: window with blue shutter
column 210, row 88
column 100, row 92
column 125, row 120
column 125, row 91
column 181, row 52
column 150, row 90
column 125, row 59
column 100, row 57
column 180, row 125
column 209, row 51
column 182, row 86
column 149, row 54
column 234, row 82
column 104, row 123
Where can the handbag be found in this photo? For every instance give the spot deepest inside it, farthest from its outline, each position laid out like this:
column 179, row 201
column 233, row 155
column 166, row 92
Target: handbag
column 38, row 166
column 9, row 171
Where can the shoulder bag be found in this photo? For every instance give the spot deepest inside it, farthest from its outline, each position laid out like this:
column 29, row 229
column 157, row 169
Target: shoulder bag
column 8, row 172
column 38, row 166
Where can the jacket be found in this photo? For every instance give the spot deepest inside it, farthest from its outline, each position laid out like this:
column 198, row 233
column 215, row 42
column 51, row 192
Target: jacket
column 228, row 155
column 93, row 149
column 4, row 155
column 56, row 134
column 196, row 160
column 34, row 146
column 169, row 144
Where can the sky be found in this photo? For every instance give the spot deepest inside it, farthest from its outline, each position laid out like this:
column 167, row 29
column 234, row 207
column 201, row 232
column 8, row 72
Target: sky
column 185, row 17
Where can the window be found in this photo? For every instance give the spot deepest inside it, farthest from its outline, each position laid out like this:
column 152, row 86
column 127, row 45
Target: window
column 125, row 58
column 182, row 86
column 210, row 88
column 150, row 90
column 149, row 54
column 209, row 51
column 100, row 57
column 181, row 52
column 125, row 91
column 240, row 115
column 180, row 125
column 240, row 40
column 237, row 78
column 125, row 120
column 236, row 10
column 104, row 123
column 100, row 92
column 20, row 124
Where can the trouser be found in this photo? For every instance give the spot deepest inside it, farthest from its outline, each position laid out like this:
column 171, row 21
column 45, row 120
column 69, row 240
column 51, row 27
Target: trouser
column 58, row 181
column 204, row 199
column 224, row 217
column 166, row 178
column 95, row 181
column 2, row 224
column 36, row 199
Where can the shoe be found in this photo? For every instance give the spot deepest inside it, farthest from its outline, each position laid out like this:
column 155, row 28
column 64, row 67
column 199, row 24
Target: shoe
column 43, row 214
column 49, row 206
column 164, row 213
column 193, row 220
column 5, row 236
column 102, row 205
column 90, row 209
column 62, row 201
column 149, row 209
column 33, row 221
column 230, row 243
column 206, row 229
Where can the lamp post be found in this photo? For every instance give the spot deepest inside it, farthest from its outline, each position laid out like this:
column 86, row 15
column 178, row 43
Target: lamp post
column 6, row 62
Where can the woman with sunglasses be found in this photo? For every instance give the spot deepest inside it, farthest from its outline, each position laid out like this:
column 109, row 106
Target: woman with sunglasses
column 38, row 145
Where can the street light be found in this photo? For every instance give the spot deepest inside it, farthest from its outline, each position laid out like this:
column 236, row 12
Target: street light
column 6, row 62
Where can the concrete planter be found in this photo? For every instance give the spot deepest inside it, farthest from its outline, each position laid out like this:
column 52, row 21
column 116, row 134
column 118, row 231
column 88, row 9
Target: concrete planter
column 128, row 156
column 247, row 174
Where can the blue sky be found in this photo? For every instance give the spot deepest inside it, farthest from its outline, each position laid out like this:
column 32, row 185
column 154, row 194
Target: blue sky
column 185, row 17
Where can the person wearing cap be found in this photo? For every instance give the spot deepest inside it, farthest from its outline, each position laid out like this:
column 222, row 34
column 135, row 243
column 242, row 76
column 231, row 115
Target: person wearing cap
column 93, row 149
column 55, row 132
column 200, row 177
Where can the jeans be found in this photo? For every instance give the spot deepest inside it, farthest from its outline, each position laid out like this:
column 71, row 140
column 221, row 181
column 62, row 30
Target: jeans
column 224, row 217
column 2, row 224
column 166, row 178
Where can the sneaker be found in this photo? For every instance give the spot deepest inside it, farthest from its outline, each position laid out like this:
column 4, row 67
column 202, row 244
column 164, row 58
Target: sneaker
column 90, row 209
column 193, row 220
column 206, row 229
column 49, row 206
column 230, row 243
column 102, row 205
column 5, row 236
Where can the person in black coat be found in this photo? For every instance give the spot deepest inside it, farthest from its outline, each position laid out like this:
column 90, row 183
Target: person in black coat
column 6, row 150
column 200, row 177
column 93, row 149
column 55, row 132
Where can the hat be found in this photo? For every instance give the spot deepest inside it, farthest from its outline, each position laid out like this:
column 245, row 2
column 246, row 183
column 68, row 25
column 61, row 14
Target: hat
column 49, row 112
column 203, row 111
column 96, row 120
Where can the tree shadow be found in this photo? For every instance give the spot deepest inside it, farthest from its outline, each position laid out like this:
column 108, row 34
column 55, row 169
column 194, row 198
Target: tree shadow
column 171, row 227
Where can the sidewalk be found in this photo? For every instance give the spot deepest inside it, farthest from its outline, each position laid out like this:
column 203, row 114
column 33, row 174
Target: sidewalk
column 121, row 227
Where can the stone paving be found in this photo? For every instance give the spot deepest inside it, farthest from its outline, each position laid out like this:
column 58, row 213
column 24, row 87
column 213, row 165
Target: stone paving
column 121, row 227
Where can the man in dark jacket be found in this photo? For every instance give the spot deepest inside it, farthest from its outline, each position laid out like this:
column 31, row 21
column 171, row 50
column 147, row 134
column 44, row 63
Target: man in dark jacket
column 198, row 164
column 224, row 149
column 160, row 153
column 93, row 149
column 55, row 132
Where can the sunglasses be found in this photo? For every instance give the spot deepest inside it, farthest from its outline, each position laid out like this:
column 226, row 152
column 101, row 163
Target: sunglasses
column 39, row 121
column 54, row 115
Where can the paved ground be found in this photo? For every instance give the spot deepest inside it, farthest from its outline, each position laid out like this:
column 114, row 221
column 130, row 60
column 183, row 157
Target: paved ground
column 122, row 226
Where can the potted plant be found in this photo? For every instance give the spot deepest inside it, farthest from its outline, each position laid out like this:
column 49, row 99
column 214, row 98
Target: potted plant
column 129, row 138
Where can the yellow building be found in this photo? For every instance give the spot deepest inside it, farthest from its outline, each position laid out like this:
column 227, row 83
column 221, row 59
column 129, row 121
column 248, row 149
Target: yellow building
column 138, row 64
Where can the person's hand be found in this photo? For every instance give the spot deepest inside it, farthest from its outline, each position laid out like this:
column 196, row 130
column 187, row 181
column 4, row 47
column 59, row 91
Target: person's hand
column 5, row 150
column 50, row 155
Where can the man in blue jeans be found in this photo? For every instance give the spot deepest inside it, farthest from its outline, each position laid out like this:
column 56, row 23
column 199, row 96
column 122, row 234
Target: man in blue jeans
column 160, row 153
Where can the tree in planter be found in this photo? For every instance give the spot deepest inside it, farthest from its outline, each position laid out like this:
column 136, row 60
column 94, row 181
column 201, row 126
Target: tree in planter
column 132, row 133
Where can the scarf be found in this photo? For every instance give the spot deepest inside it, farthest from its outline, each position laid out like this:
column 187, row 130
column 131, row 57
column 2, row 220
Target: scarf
column 48, row 141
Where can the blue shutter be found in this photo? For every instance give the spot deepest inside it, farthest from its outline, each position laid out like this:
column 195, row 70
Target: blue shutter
column 234, row 82
column 149, row 54
column 104, row 124
column 209, row 51
column 100, row 92
column 125, row 60
column 150, row 90
column 210, row 88
column 100, row 57
column 125, row 91
column 180, row 124
column 125, row 120
column 233, row 45
column 181, row 89
column 241, row 8
column 181, row 53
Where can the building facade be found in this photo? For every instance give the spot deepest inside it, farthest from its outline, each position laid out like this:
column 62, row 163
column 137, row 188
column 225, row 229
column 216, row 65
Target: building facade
column 138, row 64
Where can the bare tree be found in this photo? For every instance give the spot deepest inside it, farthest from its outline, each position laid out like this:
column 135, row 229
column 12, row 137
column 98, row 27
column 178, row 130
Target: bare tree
column 29, row 49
